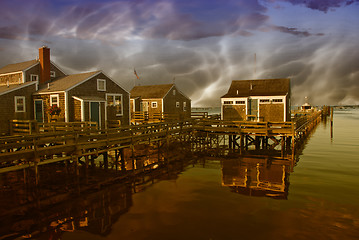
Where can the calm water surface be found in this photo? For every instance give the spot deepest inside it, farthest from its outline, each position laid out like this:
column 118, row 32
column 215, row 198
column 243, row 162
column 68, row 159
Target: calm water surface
column 321, row 202
column 229, row 198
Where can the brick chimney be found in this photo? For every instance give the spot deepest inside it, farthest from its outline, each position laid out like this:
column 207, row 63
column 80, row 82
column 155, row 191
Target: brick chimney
column 44, row 55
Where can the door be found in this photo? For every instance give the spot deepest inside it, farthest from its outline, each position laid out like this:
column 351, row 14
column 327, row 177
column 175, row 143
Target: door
column 95, row 113
column 39, row 111
column 252, row 109
column 145, row 106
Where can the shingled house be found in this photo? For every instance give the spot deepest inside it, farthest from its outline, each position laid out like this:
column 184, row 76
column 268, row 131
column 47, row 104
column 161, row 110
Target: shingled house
column 164, row 99
column 31, row 88
column 258, row 100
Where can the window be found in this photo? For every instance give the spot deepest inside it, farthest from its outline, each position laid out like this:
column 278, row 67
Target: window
column 174, row 92
column 19, row 104
column 184, row 106
column 115, row 100
column 177, row 104
column 34, row 77
column 52, row 74
column 54, row 100
column 101, row 85
column 264, row 100
column 240, row 102
column 154, row 104
column 228, row 102
column 277, row 100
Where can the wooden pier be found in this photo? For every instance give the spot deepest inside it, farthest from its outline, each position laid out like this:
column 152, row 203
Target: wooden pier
column 119, row 149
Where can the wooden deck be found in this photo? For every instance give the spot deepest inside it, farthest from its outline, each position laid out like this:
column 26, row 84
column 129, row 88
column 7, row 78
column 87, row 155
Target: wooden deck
column 33, row 150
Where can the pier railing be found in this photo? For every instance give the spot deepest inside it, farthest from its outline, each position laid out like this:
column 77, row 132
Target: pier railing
column 18, row 152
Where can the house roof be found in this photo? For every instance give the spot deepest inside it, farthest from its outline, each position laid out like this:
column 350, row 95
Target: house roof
column 66, row 82
column 16, row 67
column 260, row 87
column 151, row 91
column 4, row 89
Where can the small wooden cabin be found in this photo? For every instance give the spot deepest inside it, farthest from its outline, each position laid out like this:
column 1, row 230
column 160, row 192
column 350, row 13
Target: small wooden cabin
column 257, row 100
column 91, row 96
column 160, row 100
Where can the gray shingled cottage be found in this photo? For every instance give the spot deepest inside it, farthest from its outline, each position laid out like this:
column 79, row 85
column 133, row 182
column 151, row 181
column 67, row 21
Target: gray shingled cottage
column 160, row 99
column 258, row 100
column 30, row 90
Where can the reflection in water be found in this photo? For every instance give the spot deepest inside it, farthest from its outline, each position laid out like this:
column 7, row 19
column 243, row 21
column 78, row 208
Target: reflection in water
column 94, row 212
column 257, row 176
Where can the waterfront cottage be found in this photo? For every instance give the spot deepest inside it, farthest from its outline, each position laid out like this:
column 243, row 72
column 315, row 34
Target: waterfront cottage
column 257, row 100
column 160, row 100
column 40, row 90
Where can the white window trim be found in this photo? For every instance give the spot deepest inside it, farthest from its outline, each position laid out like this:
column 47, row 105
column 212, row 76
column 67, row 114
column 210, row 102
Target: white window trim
column 272, row 101
column 23, row 98
column 184, row 106
column 113, row 96
column 177, row 104
column 98, row 84
column 174, row 92
column 34, row 75
column 154, row 104
column 58, row 99
column 52, row 74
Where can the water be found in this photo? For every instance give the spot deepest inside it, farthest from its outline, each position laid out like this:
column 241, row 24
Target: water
column 316, row 199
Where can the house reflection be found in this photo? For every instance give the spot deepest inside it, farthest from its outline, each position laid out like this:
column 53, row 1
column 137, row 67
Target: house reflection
column 94, row 212
column 257, row 176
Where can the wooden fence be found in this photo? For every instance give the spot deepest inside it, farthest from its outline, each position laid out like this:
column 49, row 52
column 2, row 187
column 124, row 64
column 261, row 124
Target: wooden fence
column 21, row 127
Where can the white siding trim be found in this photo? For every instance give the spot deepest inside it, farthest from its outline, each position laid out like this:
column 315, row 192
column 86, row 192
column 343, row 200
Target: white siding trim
column 163, row 107
column 82, row 107
column 11, row 73
column 17, row 88
column 129, row 110
column 66, row 107
column 45, row 93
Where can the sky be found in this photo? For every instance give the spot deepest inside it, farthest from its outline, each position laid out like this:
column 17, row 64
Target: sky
column 201, row 45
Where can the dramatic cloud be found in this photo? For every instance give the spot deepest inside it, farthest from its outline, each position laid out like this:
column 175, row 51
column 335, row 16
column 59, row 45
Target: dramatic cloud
column 321, row 5
column 202, row 45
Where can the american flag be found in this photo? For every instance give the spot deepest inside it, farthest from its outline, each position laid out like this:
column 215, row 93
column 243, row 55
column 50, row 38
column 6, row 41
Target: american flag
column 134, row 71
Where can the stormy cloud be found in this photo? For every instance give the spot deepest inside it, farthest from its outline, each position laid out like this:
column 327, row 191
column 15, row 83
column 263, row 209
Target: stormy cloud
column 201, row 45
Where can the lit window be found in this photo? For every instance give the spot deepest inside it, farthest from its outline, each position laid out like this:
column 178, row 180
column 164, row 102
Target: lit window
column 54, row 100
column 101, row 85
column 34, row 77
column 177, row 104
column 240, row 102
column 115, row 100
column 52, row 74
column 154, row 104
column 19, row 104
column 228, row 102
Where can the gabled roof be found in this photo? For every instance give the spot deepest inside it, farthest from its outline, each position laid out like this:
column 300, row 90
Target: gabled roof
column 260, row 87
column 67, row 82
column 151, row 91
column 16, row 67
column 4, row 89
